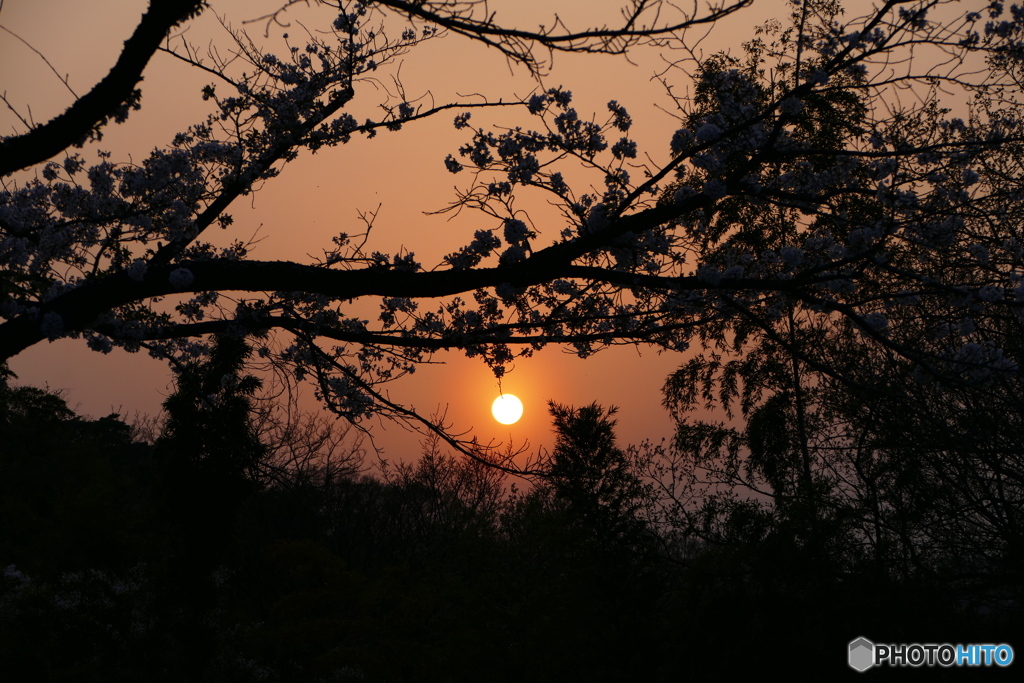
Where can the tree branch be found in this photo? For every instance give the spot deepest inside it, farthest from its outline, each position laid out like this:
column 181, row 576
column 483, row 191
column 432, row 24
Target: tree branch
column 79, row 308
column 109, row 98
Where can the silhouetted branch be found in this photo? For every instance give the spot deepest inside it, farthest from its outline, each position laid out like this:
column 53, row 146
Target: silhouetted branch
column 112, row 97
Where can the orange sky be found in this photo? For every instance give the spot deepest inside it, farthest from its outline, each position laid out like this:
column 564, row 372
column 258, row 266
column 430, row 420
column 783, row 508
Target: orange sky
column 320, row 195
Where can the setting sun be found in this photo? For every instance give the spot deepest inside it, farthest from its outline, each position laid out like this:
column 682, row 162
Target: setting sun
column 507, row 409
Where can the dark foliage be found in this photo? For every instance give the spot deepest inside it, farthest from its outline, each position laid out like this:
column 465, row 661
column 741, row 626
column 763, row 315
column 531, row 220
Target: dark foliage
column 432, row 571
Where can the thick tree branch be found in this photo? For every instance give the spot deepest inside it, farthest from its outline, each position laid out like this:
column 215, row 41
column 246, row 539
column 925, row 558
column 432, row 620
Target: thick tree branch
column 80, row 307
column 116, row 91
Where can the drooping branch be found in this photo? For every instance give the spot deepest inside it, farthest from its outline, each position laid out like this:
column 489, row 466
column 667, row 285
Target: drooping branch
column 615, row 40
column 641, row 21
column 110, row 98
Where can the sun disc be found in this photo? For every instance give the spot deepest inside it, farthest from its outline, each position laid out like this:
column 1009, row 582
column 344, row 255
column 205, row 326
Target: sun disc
column 507, row 409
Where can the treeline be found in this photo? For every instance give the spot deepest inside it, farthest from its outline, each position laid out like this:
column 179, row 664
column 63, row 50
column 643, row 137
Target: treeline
column 234, row 545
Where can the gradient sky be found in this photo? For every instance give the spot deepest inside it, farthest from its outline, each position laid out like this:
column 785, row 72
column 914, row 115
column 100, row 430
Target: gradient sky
column 318, row 196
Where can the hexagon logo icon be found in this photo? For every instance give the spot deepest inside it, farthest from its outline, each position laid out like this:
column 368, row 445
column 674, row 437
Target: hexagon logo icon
column 862, row 654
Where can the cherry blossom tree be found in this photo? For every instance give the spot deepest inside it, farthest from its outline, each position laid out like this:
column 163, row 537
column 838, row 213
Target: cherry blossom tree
column 821, row 175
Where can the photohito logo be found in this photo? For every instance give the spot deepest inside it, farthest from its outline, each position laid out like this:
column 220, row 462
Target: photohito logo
column 863, row 654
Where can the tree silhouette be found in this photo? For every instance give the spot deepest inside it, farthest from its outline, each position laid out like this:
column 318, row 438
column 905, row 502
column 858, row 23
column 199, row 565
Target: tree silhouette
column 209, row 451
column 803, row 180
column 432, row 567
column 887, row 475
column 592, row 476
column 73, row 490
column 209, row 415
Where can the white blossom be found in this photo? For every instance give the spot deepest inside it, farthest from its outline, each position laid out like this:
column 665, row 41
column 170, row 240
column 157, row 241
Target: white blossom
column 792, row 256
column 52, row 325
column 137, row 269
column 181, row 278
column 708, row 132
